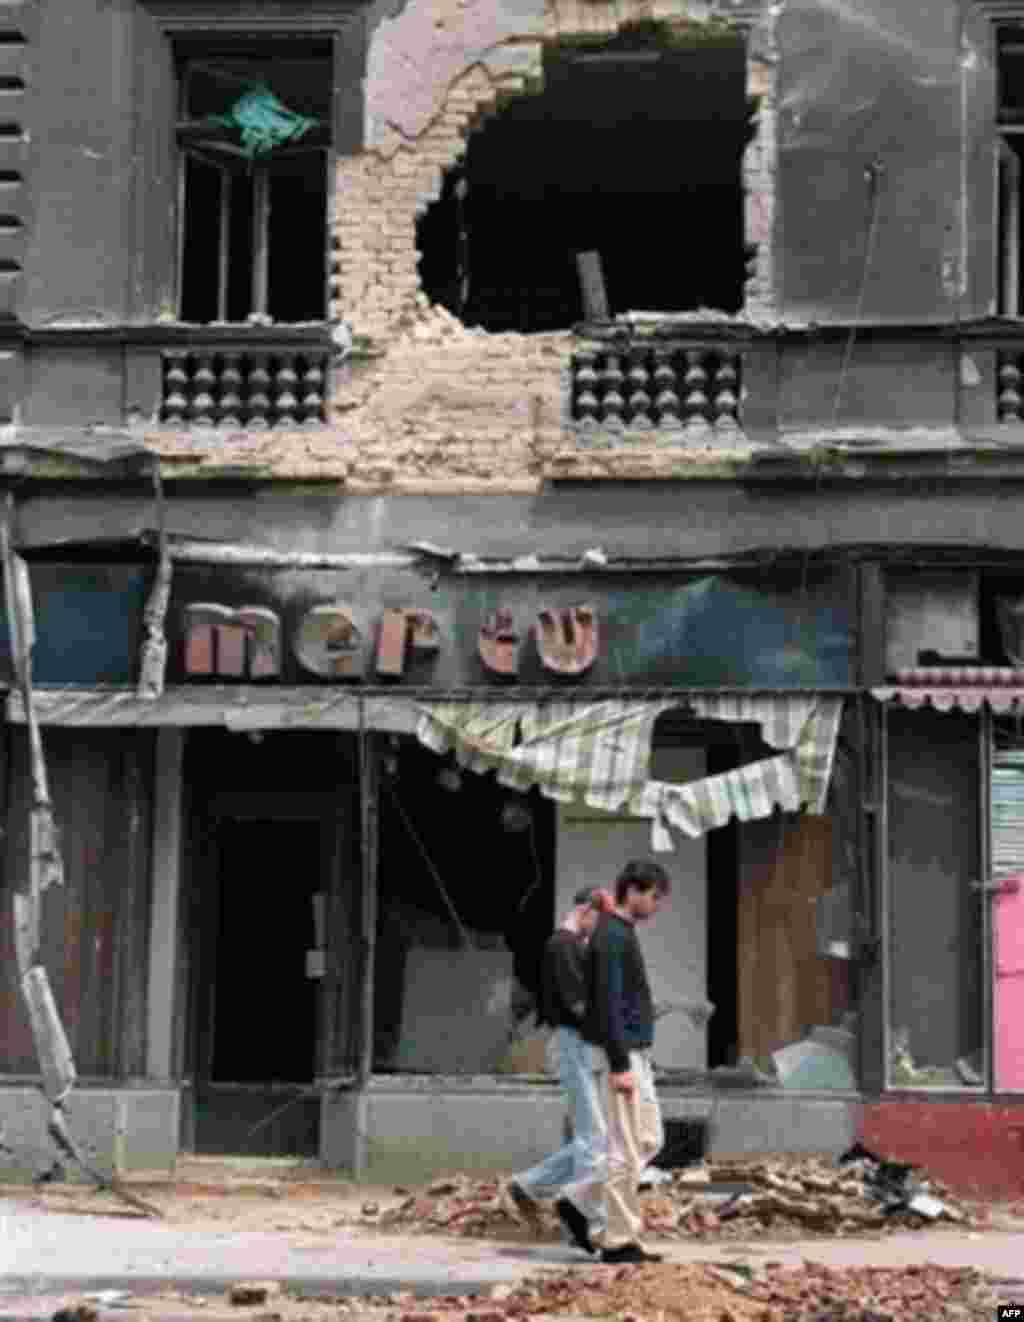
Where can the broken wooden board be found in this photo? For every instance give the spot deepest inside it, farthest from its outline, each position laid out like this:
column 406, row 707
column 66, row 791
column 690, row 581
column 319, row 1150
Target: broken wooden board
column 592, row 286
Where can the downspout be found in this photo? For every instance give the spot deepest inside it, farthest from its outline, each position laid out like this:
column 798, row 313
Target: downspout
column 966, row 60
column 368, row 809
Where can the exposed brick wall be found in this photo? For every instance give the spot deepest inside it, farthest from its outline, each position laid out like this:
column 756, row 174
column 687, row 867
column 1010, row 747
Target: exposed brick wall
column 439, row 404
column 454, row 405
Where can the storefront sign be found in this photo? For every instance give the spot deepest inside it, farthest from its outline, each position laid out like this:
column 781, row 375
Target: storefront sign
column 334, row 641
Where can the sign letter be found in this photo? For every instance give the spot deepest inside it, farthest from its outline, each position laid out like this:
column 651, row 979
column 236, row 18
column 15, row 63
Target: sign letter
column 232, row 643
column 567, row 639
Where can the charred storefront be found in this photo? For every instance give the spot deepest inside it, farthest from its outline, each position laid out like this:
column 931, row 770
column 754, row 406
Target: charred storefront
column 310, row 873
column 310, row 865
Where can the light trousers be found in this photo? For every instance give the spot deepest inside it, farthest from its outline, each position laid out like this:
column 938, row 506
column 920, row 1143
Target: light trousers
column 582, row 1162
column 635, row 1136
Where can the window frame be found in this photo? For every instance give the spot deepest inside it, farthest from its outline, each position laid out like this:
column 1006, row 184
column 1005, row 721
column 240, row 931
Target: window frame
column 207, row 153
column 189, row 22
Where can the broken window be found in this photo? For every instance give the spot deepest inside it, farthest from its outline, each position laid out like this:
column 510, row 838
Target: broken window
column 254, row 138
column 633, row 152
column 1011, row 127
column 465, row 907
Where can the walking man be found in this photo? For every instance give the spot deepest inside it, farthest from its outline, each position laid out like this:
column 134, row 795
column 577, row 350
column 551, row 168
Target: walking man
column 563, row 1004
column 620, row 1019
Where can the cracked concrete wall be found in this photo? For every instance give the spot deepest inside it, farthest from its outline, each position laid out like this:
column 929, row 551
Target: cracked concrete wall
column 151, row 1126
column 443, row 403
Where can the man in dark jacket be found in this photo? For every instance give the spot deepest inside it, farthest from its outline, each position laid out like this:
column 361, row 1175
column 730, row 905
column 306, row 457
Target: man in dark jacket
column 563, row 1006
column 620, row 1020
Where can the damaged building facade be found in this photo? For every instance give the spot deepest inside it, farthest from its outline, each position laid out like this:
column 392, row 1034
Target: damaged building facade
column 457, row 446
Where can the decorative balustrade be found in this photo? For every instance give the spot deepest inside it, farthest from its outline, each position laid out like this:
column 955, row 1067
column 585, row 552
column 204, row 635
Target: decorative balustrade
column 244, row 387
column 1009, row 401
column 692, row 391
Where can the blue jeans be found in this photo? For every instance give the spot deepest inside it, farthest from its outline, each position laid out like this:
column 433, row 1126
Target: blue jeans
column 584, row 1161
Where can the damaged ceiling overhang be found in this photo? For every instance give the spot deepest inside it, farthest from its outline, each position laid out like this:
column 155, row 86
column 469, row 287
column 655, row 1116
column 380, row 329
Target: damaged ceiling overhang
column 433, row 559
column 23, row 449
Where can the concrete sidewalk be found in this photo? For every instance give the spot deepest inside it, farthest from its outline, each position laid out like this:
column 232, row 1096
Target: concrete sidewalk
column 46, row 1256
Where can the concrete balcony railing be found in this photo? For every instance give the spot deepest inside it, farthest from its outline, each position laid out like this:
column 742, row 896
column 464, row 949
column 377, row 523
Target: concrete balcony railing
column 695, row 382
column 235, row 378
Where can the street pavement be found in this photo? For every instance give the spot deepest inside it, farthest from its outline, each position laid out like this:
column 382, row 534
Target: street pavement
column 47, row 1257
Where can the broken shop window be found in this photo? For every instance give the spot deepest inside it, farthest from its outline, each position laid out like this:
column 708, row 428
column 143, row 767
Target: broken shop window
column 954, row 620
column 466, row 905
column 253, row 138
column 935, row 908
column 781, row 936
column 616, row 188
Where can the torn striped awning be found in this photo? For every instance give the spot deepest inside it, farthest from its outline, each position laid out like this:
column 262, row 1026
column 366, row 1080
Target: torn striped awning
column 599, row 753
column 596, row 752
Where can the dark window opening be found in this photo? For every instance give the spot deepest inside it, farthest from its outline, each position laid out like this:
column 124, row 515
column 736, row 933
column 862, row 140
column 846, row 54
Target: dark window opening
column 1001, row 619
column 632, row 151
column 1010, row 43
column 253, row 222
column 442, row 1006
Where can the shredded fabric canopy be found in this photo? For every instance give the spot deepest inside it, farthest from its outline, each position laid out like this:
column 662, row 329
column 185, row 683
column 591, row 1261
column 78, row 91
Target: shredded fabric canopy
column 597, row 752
column 600, row 752
column 263, row 121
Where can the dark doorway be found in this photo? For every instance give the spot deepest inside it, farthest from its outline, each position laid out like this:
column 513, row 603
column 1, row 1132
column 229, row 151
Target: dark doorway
column 265, row 1018
column 270, row 975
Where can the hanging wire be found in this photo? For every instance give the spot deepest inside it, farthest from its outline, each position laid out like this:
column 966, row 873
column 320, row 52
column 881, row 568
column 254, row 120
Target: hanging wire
column 538, row 880
column 463, row 933
column 873, row 175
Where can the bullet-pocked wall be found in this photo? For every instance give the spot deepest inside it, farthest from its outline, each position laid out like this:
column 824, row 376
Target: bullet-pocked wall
column 448, row 404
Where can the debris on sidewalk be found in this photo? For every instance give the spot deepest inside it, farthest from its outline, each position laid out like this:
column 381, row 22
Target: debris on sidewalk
column 246, row 1294
column 77, row 1313
column 801, row 1196
column 665, row 1292
column 739, row 1293
column 698, row 1292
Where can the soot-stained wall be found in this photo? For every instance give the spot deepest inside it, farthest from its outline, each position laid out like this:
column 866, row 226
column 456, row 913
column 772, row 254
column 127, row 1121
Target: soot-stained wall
column 101, row 251
column 900, row 85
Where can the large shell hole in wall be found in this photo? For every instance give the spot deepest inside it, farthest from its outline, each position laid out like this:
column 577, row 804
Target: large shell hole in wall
column 632, row 151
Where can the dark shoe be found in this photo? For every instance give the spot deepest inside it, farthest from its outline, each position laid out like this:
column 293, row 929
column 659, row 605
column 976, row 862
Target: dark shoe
column 576, row 1223
column 629, row 1253
column 528, row 1208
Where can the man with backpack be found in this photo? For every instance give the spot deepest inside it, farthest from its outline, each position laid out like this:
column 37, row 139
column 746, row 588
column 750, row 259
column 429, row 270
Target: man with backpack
column 563, row 1006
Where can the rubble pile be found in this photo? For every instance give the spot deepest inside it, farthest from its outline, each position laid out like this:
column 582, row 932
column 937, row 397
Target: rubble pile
column 740, row 1293
column 807, row 1195
column 697, row 1292
column 455, row 1205
column 795, row 1196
